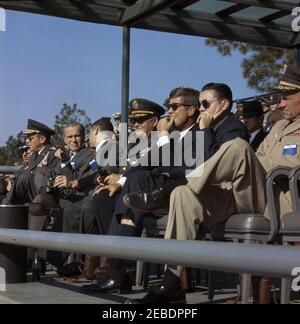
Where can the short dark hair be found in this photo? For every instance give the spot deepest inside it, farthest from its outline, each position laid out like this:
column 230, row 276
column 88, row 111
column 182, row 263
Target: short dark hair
column 81, row 127
column 103, row 124
column 223, row 91
column 192, row 94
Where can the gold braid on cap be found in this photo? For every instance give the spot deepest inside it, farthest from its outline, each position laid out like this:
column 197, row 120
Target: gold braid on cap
column 283, row 85
column 144, row 112
column 31, row 131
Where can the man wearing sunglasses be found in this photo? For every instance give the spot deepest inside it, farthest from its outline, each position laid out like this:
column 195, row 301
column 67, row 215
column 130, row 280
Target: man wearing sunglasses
column 216, row 120
column 233, row 182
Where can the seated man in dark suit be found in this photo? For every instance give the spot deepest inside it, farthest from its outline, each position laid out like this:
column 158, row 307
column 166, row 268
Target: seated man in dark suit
column 72, row 213
column 89, row 217
column 78, row 164
column 253, row 115
column 73, row 179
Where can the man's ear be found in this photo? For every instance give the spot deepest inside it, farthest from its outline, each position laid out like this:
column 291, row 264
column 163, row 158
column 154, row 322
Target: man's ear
column 225, row 104
column 43, row 139
column 156, row 120
column 192, row 111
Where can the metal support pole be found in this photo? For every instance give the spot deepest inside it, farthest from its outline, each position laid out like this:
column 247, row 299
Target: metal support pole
column 296, row 60
column 125, row 73
column 125, row 96
column 9, row 169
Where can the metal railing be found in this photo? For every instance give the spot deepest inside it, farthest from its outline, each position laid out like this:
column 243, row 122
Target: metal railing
column 9, row 169
column 259, row 259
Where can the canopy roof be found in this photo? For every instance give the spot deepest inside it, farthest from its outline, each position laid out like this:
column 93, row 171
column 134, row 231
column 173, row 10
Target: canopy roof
column 264, row 22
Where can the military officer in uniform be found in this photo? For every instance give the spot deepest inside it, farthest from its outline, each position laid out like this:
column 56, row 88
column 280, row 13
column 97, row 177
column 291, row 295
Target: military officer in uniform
column 26, row 188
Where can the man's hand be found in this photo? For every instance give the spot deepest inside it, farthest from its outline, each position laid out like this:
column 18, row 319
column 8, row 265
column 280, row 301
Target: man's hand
column 97, row 190
column 61, row 153
column 10, row 183
column 207, row 119
column 62, row 182
column 112, row 179
column 165, row 124
column 113, row 189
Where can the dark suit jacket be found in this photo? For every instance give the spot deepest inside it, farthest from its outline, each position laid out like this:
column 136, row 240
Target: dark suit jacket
column 258, row 139
column 188, row 142
column 82, row 168
column 168, row 154
column 230, row 129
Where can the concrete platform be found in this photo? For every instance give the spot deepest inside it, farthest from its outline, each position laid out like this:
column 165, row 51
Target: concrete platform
column 50, row 290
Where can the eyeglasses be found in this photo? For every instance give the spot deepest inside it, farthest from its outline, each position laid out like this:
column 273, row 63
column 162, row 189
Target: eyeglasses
column 139, row 120
column 31, row 137
column 174, row 106
column 206, row 104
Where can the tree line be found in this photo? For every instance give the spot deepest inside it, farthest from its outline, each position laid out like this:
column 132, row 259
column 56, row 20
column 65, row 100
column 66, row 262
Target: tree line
column 10, row 153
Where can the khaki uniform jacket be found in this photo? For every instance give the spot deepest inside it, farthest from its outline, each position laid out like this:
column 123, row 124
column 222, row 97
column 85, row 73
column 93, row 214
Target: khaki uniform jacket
column 270, row 154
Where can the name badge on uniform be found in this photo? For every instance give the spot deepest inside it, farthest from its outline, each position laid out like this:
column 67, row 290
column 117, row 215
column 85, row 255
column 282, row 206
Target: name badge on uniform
column 73, row 165
column 290, row 150
column 93, row 165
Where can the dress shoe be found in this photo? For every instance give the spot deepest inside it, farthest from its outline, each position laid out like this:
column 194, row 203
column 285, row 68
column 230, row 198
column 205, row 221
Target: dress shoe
column 147, row 201
column 71, row 270
column 118, row 282
column 105, row 271
column 161, row 295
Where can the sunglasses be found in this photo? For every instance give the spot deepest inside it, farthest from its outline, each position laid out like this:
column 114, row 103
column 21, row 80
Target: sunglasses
column 205, row 104
column 174, row 106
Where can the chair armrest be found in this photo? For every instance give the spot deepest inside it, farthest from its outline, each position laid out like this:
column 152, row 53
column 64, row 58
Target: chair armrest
column 271, row 178
column 278, row 172
column 293, row 183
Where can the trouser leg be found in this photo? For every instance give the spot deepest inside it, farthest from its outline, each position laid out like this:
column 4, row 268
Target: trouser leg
column 232, row 181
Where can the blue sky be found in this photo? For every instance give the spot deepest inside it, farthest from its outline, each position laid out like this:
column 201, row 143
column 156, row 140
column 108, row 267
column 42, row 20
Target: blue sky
column 47, row 61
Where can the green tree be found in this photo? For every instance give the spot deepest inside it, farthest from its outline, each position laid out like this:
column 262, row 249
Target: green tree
column 261, row 65
column 2, row 155
column 10, row 154
column 69, row 115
